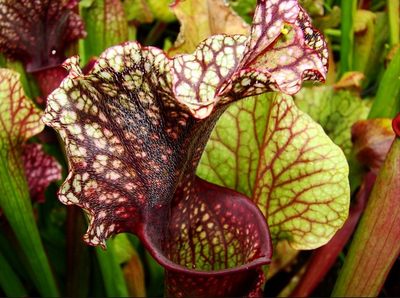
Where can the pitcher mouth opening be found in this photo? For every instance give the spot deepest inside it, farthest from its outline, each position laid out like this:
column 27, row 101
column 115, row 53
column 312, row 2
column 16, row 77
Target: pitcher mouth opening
column 175, row 267
column 255, row 245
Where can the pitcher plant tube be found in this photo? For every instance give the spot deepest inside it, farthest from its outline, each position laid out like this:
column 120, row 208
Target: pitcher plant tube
column 38, row 34
column 136, row 124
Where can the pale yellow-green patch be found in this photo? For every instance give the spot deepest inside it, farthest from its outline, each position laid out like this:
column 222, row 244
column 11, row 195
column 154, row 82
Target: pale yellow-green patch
column 335, row 111
column 284, row 161
column 94, row 131
column 68, row 117
column 76, row 130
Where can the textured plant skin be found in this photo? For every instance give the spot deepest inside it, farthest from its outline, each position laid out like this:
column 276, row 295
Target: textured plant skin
column 324, row 257
column 29, row 32
column 254, row 65
column 20, row 118
column 37, row 32
column 231, row 156
column 228, row 240
column 135, row 126
column 40, row 170
column 154, row 194
column 376, row 245
column 302, row 188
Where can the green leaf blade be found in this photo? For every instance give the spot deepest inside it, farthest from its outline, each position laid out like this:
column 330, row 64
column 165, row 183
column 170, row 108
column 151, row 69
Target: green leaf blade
column 106, row 25
column 387, row 100
column 349, row 8
column 393, row 11
column 19, row 120
column 9, row 281
column 376, row 245
column 113, row 277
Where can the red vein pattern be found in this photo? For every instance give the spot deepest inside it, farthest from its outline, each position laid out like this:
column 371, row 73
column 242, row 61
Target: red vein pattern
column 37, row 32
column 132, row 152
column 19, row 118
column 40, row 169
column 336, row 111
column 282, row 50
column 219, row 231
column 312, row 173
column 323, row 258
column 285, row 162
column 134, row 127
